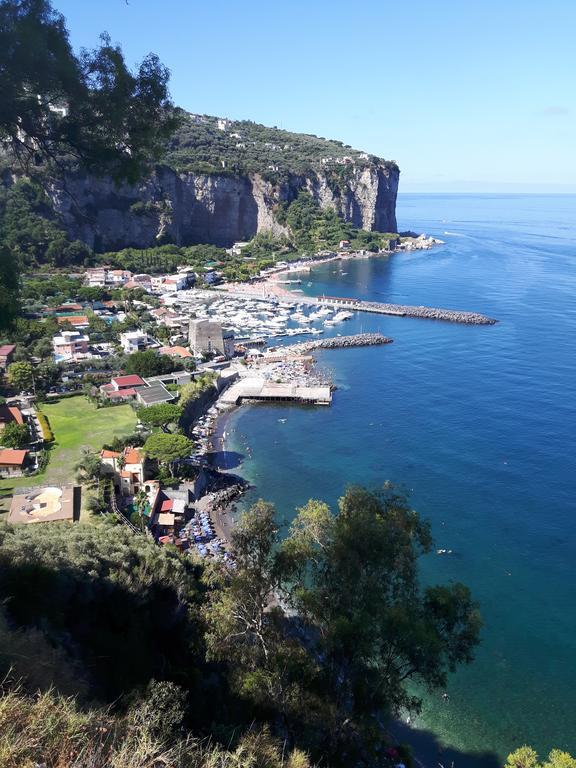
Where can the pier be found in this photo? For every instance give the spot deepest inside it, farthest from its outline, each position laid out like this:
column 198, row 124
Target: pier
column 255, row 389
column 360, row 305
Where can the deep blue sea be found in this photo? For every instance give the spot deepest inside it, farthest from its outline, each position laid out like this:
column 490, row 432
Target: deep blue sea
column 479, row 424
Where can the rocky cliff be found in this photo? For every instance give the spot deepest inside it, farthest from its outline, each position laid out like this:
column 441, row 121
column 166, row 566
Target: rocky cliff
column 185, row 207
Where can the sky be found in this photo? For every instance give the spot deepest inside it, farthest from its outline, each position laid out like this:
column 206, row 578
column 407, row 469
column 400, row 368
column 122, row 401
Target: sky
column 467, row 96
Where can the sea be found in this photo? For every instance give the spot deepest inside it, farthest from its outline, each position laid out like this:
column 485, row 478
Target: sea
column 477, row 424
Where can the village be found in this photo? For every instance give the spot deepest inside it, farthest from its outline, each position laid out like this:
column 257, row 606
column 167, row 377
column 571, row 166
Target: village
column 124, row 428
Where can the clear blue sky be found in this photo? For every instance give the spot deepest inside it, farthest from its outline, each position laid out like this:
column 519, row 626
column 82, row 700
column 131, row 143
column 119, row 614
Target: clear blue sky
column 463, row 95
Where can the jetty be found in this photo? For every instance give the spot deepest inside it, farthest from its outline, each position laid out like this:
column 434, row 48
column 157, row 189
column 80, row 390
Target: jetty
column 403, row 310
column 341, row 342
column 361, row 305
column 257, row 389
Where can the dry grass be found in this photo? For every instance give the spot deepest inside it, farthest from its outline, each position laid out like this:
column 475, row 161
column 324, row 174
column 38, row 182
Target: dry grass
column 48, row 730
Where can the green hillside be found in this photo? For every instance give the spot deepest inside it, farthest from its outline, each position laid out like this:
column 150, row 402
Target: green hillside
column 205, row 144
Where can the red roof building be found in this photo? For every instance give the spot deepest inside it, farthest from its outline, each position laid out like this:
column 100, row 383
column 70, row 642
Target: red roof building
column 123, row 382
column 9, row 414
column 6, row 352
column 12, row 462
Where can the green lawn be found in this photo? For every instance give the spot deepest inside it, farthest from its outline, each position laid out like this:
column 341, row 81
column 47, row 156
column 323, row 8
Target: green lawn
column 76, row 424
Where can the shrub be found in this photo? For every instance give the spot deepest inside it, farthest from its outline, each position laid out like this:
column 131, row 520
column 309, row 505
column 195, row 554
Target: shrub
column 47, row 433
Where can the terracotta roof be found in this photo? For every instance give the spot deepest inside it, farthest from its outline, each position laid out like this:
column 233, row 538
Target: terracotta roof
column 122, row 393
column 167, row 505
column 10, row 413
column 6, row 349
column 74, row 320
column 132, row 456
column 129, row 381
column 175, row 351
column 125, row 473
column 9, row 457
column 104, row 454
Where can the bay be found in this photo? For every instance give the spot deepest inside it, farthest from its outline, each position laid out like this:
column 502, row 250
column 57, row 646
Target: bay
column 478, row 424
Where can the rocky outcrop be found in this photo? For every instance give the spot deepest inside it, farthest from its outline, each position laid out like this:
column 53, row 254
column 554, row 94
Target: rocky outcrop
column 188, row 208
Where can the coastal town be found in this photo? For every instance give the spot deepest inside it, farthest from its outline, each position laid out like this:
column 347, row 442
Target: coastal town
column 188, row 348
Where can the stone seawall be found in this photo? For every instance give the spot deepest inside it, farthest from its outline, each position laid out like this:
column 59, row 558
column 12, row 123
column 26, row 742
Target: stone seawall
column 342, row 342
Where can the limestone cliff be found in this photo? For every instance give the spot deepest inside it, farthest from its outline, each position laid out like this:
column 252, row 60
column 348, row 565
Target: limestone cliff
column 187, row 208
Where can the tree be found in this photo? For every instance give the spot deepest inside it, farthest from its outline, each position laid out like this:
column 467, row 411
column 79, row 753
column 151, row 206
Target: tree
column 89, row 108
column 526, row 757
column 150, row 363
column 9, row 287
column 168, row 448
column 160, row 415
column 14, row 435
column 21, row 376
column 89, row 469
column 365, row 628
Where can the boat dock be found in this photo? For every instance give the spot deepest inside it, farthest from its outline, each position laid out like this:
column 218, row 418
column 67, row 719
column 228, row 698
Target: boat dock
column 256, row 389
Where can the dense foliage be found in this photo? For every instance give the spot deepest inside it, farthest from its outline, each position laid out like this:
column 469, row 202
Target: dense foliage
column 150, row 363
column 242, row 146
column 526, row 757
column 98, row 612
column 14, row 435
column 58, row 107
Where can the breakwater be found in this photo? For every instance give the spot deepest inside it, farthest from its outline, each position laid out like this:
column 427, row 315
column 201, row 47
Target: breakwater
column 342, row 342
column 405, row 310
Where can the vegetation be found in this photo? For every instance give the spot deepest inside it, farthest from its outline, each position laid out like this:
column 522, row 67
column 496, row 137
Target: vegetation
column 20, row 376
column 14, row 435
column 199, row 145
column 91, row 108
column 51, row 730
column 226, row 660
column 160, row 416
column 526, row 757
column 150, row 363
column 168, row 448
column 192, row 391
column 76, row 424
column 47, row 433
column 314, row 228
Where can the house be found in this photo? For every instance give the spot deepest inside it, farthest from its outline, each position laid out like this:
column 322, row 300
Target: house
column 70, row 345
column 96, row 277
column 180, row 352
column 344, row 245
column 118, row 277
column 6, row 353
column 171, row 512
column 77, row 321
column 12, row 463
column 69, row 308
column 10, row 414
column 122, row 387
column 44, row 505
column 134, row 341
column 127, row 467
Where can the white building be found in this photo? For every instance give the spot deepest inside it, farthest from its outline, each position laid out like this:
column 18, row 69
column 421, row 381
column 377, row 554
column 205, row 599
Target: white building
column 134, row 341
column 70, row 345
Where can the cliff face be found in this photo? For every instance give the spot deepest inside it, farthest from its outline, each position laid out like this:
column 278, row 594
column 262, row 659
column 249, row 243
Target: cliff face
column 189, row 208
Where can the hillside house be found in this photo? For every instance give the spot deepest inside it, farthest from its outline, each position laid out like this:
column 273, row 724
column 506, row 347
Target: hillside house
column 12, row 462
column 128, row 469
column 9, row 414
column 70, row 345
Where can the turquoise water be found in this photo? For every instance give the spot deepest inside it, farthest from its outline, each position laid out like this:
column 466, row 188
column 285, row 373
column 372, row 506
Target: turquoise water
column 478, row 423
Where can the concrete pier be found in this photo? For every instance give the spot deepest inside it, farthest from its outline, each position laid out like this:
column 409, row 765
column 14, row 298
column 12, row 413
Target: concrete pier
column 257, row 389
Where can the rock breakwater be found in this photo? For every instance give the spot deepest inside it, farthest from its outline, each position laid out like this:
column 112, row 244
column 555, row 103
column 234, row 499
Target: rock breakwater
column 342, row 342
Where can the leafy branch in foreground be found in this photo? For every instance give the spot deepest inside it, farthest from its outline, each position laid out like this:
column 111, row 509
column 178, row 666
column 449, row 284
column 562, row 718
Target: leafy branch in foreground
column 89, row 108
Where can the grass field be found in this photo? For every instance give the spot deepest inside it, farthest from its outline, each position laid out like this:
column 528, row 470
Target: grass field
column 76, row 424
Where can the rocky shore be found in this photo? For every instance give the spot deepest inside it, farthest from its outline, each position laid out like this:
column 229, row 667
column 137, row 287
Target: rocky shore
column 429, row 313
